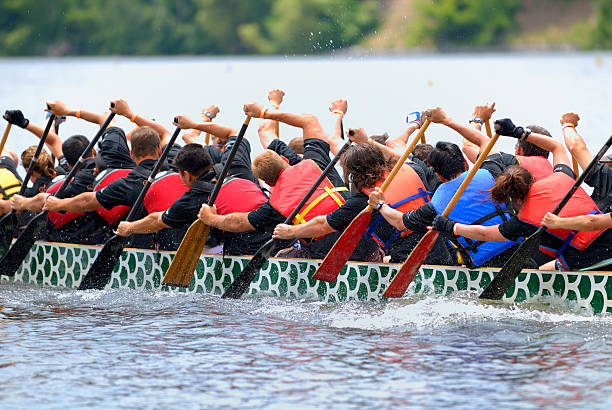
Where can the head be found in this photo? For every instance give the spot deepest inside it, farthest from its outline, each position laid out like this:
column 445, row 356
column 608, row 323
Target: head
column 447, row 160
column 513, row 184
column 607, row 160
column 145, row 144
column 422, row 151
column 530, row 150
column 381, row 139
column 192, row 161
column 73, row 147
column 363, row 164
column 268, row 165
column 42, row 166
column 297, row 144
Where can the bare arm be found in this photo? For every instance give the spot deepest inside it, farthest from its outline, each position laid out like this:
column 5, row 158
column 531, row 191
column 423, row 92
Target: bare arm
column 53, row 141
column 84, row 202
column 398, row 144
column 393, row 216
column 338, row 108
column 217, row 130
column 315, row 227
column 59, row 108
column 470, row 134
column 359, row 135
column 479, row 232
column 556, row 148
column 579, row 223
column 311, row 128
column 574, row 142
column 121, row 107
column 5, row 206
column 149, row 224
column 266, row 133
column 235, row 222
column 22, row 203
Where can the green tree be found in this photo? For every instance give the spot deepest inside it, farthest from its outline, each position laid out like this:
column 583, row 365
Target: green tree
column 466, row 22
column 602, row 33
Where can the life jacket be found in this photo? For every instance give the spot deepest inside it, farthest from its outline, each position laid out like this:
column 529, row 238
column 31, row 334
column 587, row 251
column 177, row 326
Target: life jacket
column 104, row 179
column 474, row 207
column 538, row 166
column 544, row 196
column 239, row 195
column 405, row 193
column 9, row 183
column 164, row 191
column 60, row 219
column 292, row 185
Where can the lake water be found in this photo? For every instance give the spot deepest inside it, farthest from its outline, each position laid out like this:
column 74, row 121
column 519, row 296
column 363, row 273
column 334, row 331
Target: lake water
column 130, row 349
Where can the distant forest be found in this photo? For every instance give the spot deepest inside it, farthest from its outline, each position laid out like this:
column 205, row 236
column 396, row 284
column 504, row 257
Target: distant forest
column 159, row 27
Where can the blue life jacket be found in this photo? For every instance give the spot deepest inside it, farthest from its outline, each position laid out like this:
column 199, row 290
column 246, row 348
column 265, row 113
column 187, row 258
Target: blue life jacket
column 475, row 207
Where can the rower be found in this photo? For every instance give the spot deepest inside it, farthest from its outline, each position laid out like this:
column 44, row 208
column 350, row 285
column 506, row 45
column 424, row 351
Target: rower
column 289, row 184
column 10, row 181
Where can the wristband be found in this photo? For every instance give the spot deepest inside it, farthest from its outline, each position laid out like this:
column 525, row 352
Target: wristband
column 527, row 132
column 455, row 230
column 262, row 115
column 275, row 106
column 417, row 119
column 477, row 120
column 133, row 118
column 380, row 204
column 568, row 124
column 338, row 112
column 78, row 114
column 209, row 115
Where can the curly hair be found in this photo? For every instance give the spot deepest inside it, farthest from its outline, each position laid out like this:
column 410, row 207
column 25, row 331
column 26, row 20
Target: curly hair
column 43, row 164
column 365, row 164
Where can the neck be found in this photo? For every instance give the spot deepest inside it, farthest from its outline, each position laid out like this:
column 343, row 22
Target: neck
column 140, row 159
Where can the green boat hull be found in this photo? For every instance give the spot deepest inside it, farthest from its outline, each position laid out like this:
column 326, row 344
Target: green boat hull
column 63, row 265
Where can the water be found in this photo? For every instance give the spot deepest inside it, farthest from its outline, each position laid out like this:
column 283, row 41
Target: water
column 131, row 349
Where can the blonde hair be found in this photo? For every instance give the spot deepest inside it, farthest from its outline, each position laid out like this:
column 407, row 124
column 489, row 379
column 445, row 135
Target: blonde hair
column 43, row 164
column 267, row 166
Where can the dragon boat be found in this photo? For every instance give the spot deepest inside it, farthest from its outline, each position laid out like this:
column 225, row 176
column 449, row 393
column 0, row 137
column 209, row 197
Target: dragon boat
column 64, row 265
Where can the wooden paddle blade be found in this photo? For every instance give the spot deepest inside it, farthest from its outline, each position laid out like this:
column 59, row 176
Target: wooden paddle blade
column 243, row 281
column 16, row 254
column 506, row 276
column 100, row 272
column 8, row 227
column 337, row 256
column 403, row 278
column 187, row 256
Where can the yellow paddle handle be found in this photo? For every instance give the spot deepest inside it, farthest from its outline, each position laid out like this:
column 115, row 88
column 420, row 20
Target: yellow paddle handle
column 207, row 138
column 488, row 128
column 277, row 129
column 5, row 136
column 575, row 164
column 470, row 175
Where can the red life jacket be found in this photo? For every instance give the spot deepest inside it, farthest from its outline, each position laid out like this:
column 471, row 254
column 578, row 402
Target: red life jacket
column 292, row 185
column 60, row 219
column 544, row 195
column 405, row 193
column 538, row 166
column 239, row 195
column 165, row 189
column 104, row 179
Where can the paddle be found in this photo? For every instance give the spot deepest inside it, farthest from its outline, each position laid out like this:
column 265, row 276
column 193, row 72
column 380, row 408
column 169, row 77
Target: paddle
column 17, row 253
column 506, row 276
column 405, row 275
column 8, row 222
column 244, row 279
column 346, row 243
column 5, row 136
column 188, row 254
column 100, row 271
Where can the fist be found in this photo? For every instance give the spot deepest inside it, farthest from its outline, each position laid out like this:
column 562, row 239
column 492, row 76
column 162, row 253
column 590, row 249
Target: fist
column 276, row 97
column 253, row 110
column 183, row 122
column 16, row 117
column 57, row 108
column 340, row 105
column 570, row 118
column 121, row 107
column 213, row 110
column 506, row 127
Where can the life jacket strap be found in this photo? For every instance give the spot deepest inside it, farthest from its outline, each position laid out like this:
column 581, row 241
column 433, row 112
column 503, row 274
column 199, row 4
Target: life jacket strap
column 331, row 192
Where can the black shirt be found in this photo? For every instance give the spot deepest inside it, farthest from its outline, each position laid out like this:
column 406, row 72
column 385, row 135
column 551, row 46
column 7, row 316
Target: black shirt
column 62, row 167
column 82, row 181
column 241, row 165
column 41, row 184
column 600, row 179
column 125, row 191
column 284, row 150
column 498, row 162
column 114, row 150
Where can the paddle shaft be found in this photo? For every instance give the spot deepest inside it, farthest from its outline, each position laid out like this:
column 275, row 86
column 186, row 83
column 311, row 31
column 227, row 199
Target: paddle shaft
column 158, row 164
column 39, row 148
column 5, row 136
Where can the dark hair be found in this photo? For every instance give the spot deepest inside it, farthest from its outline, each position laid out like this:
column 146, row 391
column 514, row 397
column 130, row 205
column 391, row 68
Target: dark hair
column 422, row 151
column 532, row 150
column 447, row 160
column 381, row 139
column 73, row 147
column 145, row 142
column 365, row 163
column 194, row 159
column 297, row 144
column 513, row 183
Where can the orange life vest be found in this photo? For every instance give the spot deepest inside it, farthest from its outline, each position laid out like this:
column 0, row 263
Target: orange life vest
column 60, row 219
column 544, row 195
column 405, row 193
column 538, row 166
column 239, row 195
column 293, row 184
column 104, row 179
column 164, row 191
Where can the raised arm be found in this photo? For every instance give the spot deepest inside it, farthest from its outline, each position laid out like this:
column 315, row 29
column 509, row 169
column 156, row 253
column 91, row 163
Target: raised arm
column 311, row 128
column 475, row 137
column 16, row 117
column 59, row 109
column 276, row 98
column 208, row 115
column 338, row 108
column 574, row 142
column 217, row 130
column 358, row 135
column 121, row 107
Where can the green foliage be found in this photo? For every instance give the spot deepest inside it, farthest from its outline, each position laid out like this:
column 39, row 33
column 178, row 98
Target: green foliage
column 142, row 27
column 465, row 22
column 602, row 33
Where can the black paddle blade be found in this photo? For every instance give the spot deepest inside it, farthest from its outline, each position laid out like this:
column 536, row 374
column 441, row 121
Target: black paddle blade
column 8, row 227
column 13, row 259
column 506, row 276
column 100, row 272
column 242, row 282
